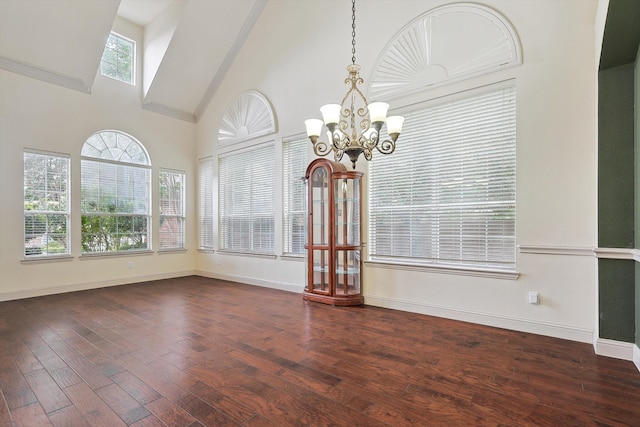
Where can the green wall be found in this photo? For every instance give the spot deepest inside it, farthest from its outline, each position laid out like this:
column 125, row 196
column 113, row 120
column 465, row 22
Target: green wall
column 617, row 306
column 615, row 158
column 616, row 202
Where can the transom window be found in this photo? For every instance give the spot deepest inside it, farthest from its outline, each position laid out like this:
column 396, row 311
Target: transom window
column 115, row 189
column 118, row 59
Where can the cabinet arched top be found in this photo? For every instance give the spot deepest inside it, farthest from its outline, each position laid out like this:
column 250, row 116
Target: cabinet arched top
column 333, row 167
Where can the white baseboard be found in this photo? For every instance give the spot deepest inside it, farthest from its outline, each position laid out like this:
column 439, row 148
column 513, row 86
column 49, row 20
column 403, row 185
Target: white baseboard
column 505, row 322
column 252, row 281
column 616, row 349
column 30, row 293
column 636, row 356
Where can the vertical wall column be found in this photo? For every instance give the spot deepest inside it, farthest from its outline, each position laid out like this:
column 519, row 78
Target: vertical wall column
column 616, row 203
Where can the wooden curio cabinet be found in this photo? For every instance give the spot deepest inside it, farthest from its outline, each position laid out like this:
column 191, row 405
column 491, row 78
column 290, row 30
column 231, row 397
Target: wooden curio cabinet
column 334, row 247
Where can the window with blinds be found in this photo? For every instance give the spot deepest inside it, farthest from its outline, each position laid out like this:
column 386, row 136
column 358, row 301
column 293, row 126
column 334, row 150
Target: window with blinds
column 295, row 160
column 46, row 204
column 172, row 212
column 115, row 186
column 447, row 196
column 205, row 211
column 246, row 191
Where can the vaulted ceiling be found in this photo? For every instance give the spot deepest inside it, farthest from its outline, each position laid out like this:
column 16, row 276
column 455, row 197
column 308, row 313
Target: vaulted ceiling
column 188, row 44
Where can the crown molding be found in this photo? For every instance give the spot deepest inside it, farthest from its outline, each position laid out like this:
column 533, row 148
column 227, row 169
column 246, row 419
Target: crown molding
column 170, row 112
column 44, row 75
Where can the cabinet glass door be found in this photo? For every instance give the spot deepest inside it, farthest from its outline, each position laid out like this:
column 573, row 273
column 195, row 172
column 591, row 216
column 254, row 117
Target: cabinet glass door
column 347, row 211
column 347, row 272
column 320, row 206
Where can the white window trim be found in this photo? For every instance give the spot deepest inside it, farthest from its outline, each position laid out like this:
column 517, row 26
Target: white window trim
column 285, row 232
column 239, row 148
column 183, row 216
column 134, row 61
column 57, row 257
column 405, row 264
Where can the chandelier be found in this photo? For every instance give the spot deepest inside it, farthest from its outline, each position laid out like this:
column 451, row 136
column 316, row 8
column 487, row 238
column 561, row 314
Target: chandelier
column 343, row 120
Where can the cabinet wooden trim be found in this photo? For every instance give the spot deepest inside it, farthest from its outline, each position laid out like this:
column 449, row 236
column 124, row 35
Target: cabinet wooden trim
column 334, row 248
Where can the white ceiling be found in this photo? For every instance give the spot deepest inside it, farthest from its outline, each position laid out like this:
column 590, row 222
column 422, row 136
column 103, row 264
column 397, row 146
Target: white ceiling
column 142, row 12
column 193, row 42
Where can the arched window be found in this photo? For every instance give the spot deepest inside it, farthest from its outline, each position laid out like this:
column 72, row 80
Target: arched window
column 246, row 176
column 116, row 194
column 446, row 198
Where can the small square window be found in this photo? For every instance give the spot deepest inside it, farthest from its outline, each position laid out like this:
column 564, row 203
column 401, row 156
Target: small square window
column 118, row 59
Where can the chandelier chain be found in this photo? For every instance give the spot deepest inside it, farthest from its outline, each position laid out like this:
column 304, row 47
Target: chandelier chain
column 353, row 31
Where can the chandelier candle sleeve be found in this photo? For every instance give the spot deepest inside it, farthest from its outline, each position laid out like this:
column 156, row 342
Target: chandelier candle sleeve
column 331, row 113
column 394, row 125
column 378, row 111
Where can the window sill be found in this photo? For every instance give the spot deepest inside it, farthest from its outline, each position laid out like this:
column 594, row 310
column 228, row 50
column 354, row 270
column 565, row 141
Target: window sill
column 248, row 254
column 456, row 270
column 45, row 259
column 206, row 250
column 114, row 254
column 292, row 257
column 171, row 251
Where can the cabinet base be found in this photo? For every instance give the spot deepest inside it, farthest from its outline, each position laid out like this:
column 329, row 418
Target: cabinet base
column 342, row 301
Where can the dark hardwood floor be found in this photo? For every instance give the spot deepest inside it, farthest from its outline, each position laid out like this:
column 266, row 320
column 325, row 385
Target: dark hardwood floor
column 195, row 351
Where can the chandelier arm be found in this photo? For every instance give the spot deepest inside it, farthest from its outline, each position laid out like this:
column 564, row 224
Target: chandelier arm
column 320, row 148
column 387, row 146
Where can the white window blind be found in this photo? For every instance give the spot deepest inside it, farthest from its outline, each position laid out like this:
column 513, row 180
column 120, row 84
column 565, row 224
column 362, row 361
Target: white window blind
column 295, row 160
column 172, row 212
column 116, row 194
column 46, row 204
column 447, row 194
column 246, row 191
column 206, row 204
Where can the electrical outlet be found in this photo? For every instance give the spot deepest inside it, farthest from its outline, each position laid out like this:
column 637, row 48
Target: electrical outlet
column 534, row 297
column 130, row 264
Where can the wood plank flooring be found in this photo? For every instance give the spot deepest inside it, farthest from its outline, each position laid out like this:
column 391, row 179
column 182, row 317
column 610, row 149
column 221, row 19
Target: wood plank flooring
column 195, row 351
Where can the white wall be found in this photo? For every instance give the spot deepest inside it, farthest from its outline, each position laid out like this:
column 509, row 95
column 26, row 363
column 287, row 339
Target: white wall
column 296, row 56
column 39, row 115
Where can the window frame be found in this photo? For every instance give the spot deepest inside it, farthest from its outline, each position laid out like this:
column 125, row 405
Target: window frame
column 134, row 165
column 206, row 212
column 456, row 267
column 119, row 38
column 179, row 217
column 228, row 240
column 46, row 212
column 292, row 184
